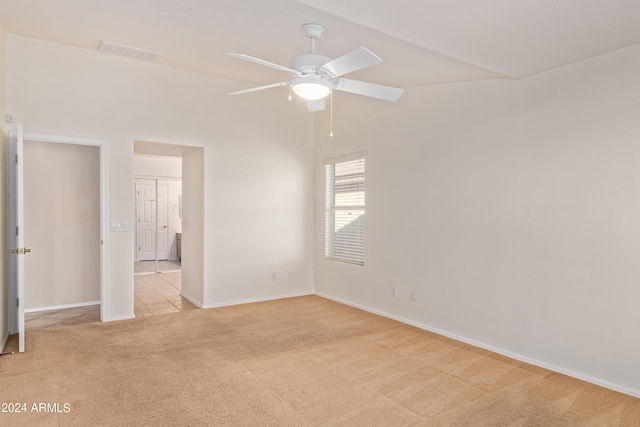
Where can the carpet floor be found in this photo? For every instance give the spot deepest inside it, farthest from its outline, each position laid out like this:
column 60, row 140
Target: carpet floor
column 303, row 361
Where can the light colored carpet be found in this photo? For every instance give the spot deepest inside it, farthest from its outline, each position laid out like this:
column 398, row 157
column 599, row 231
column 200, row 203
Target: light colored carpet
column 298, row 361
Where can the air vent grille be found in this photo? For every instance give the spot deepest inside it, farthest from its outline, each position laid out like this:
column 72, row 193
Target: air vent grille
column 128, row 51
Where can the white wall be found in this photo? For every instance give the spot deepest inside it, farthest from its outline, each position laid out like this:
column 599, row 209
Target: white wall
column 62, row 224
column 511, row 207
column 193, row 222
column 65, row 90
column 4, row 268
column 149, row 166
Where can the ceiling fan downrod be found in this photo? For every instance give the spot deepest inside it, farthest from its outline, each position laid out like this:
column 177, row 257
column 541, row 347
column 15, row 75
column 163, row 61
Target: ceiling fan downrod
column 313, row 31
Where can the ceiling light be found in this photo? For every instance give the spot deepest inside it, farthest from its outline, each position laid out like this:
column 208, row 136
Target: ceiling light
column 311, row 88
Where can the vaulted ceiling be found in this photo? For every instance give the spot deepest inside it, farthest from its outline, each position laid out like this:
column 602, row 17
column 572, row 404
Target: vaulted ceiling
column 420, row 41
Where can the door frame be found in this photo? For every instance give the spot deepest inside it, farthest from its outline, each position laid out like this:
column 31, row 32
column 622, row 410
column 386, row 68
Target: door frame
column 102, row 144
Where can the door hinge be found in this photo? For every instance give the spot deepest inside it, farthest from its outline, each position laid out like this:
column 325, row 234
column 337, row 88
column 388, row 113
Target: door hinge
column 16, row 158
column 17, row 302
column 17, row 230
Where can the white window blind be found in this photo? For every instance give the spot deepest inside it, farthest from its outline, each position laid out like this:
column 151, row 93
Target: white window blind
column 344, row 224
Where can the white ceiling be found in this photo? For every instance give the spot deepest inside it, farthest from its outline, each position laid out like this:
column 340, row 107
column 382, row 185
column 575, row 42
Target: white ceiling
column 420, row 41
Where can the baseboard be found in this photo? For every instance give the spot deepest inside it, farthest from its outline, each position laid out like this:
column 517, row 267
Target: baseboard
column 3, row 344
column 118, row 318
column 60, row 307
column 252, row 300
column 516, row 356
column 192, row 300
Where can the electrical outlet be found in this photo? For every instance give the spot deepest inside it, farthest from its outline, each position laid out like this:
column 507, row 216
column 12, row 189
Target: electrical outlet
column 274, row 276
column 412, row 295
column 394, row 291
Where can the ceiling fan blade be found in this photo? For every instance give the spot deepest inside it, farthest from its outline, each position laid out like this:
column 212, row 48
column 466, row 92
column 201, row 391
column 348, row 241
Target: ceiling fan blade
column 386, row 93
column 263, row 62
column 353, row 61
column 317, row 105
column 253, row 89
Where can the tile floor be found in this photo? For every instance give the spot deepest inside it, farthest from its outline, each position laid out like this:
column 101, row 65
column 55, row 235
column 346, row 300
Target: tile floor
column 144, row 267
column 154, row 294
column 159, row 294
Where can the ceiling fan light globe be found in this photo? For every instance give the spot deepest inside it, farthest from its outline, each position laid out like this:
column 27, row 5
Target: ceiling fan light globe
column 311, row 91
column 311, row 88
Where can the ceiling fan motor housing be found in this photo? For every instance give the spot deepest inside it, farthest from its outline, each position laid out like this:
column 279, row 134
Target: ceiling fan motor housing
column 310, row 63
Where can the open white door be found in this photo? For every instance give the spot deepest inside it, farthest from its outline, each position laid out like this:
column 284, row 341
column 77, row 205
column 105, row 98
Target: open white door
column 16, row 240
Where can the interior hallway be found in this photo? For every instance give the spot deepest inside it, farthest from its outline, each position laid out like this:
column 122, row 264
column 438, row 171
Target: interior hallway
column 159, row 294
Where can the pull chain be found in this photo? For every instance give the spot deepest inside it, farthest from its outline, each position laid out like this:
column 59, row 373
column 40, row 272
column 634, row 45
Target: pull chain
column 331, row 115
column 289, row 93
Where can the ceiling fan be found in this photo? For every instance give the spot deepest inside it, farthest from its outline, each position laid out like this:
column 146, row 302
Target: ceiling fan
column 315, row 75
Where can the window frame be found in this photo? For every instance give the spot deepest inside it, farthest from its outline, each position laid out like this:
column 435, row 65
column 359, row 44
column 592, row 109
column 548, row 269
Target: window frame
column 331, row 209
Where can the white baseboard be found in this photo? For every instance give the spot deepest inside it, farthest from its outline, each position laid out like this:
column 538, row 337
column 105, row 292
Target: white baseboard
column 193, row 301
column 60, row 307
column 252, row 300
column 118, row 318
column 3, row 344
column 568, row 372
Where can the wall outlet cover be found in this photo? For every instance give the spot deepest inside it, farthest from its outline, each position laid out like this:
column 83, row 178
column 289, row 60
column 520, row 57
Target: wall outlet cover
column 118, row 226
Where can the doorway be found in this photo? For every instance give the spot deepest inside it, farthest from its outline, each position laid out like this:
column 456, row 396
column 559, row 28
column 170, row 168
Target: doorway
column 62, row 225
column 56, row 222
column 188, row 170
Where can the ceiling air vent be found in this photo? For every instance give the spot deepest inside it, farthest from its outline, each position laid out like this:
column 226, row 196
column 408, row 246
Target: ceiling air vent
column 128, row 51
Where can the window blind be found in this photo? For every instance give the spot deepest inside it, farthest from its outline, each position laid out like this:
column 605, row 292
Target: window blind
column 344, row 223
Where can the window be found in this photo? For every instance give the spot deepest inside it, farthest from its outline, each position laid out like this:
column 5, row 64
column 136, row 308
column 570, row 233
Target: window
column 344, row 223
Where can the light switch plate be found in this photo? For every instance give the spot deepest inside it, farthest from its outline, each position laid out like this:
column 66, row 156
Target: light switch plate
column 118, row 226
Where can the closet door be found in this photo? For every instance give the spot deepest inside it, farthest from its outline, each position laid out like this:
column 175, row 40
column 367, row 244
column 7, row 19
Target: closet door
column 162, row 212
column 146, row 208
